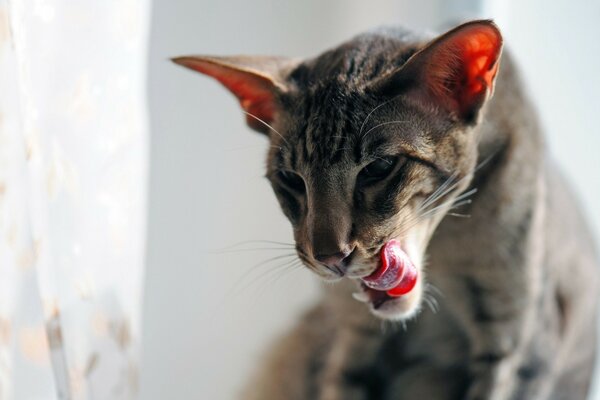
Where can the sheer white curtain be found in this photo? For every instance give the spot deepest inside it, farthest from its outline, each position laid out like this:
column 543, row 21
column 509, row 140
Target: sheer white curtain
column 73, row 143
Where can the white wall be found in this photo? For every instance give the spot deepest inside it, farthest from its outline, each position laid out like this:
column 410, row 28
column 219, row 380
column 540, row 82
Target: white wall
column 557, row 45
column 207, row 190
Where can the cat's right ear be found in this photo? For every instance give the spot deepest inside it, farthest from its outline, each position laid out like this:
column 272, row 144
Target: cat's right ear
column 256, row 81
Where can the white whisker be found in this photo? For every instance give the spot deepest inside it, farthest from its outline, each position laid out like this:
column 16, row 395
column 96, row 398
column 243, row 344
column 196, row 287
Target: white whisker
column 459, row 215
column 438, row 192
column 267, row 125
column 375, row 109
column 451, row 203
column 245, row 242
column 382, row 124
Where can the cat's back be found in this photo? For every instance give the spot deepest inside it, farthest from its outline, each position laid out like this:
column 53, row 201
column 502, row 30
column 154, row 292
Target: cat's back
column 570, row 268
column 573, row 269
column 571, row 252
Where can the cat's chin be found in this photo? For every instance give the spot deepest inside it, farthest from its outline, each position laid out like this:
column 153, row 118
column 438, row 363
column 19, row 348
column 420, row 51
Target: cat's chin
column 392, row 308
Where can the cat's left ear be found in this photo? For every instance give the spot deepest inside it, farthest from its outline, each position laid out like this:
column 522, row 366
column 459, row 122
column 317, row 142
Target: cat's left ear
column 255, row 80
column 455, row 72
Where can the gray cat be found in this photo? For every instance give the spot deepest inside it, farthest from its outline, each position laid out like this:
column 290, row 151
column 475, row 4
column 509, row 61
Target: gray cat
column 407, row 182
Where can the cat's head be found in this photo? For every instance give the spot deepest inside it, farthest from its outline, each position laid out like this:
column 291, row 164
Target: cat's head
column 371, row 145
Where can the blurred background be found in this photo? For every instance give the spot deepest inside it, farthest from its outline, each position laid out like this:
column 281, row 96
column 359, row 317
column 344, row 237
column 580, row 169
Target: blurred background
column 208, row 317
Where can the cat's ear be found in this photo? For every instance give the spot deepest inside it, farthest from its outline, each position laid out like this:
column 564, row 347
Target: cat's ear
column 454, row 72
column 255, row 81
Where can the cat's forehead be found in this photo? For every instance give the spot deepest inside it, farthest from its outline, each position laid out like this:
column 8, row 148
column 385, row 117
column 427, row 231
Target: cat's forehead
column 331, row 107
column 324, row 124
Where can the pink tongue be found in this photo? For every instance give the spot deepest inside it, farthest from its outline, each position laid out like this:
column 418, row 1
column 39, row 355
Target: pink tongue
column 397, row 275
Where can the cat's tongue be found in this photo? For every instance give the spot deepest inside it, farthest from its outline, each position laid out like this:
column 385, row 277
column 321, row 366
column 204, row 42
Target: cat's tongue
column 396, row 274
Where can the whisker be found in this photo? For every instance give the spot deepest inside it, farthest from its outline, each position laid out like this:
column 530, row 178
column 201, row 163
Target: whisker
column 415, row 219
column 437, row 193
column 382, row 124
column 268, row 280
column 427, row 301
column 267, row 125
column 447, row 190
column 429, row 293
column 249, row 250
column 265, row 274
column 282, row 271
column 362, row 126
column 384, row 160
column 435, row 303
column 238, row 244
column 456, row 202
column 296, row 269
column 459, row 215
column 432, row 288
column 249, row 147
column 466, row 194
column 235, row 288
column 440, row 208
column 256, row 266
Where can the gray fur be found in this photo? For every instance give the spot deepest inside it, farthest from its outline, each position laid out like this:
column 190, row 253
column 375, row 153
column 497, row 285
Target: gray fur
column 515, row 283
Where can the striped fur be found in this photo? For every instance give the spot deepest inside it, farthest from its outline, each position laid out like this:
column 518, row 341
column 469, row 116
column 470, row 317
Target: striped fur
column 512, row 288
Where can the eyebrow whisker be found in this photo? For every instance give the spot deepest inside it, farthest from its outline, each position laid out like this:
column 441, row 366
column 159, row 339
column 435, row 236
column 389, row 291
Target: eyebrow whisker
column 267, row 125
column 382, row 124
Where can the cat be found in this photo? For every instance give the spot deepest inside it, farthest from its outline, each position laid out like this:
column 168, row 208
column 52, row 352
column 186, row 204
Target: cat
column 413, row 171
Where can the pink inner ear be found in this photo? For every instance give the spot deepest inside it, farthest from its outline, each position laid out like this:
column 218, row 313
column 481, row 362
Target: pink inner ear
column 254, row 91
column 254, row 98
column 464, row 66
column 480, row 53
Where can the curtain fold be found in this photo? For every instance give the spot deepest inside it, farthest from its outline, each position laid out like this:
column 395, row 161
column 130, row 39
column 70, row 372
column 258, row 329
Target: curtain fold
column 73, row 165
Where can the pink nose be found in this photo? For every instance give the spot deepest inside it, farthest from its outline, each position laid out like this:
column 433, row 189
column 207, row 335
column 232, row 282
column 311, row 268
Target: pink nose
column 337, row 261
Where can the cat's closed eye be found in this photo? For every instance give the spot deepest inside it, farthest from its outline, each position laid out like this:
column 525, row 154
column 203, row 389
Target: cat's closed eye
column 378, row 170
column 291, row 181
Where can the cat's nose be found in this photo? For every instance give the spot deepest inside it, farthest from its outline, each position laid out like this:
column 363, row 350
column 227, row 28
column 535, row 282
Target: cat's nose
column 337, row 261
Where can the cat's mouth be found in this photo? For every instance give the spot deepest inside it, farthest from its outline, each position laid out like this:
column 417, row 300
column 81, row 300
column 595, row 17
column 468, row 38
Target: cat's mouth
column 396, row 274
column 393, row 280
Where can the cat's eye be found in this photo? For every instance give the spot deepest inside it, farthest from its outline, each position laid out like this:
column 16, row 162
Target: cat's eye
column 377, row 170
column 291, row 180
